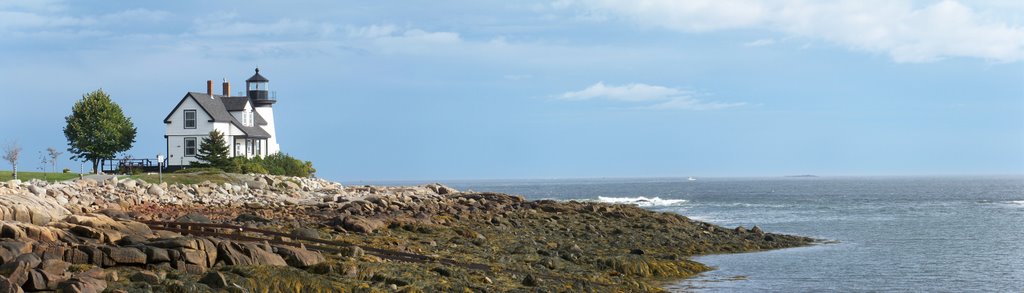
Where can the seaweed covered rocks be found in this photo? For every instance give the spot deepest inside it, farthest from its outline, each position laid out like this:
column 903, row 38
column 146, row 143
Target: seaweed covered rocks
column 280, row 234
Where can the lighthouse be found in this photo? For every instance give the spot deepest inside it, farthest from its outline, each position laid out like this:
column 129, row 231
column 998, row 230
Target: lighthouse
column 257, row 90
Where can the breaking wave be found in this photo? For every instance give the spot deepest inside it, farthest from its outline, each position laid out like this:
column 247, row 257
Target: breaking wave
column 643, row 201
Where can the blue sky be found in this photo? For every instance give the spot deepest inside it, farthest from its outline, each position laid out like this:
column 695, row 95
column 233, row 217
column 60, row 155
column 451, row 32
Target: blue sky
column 550, row 89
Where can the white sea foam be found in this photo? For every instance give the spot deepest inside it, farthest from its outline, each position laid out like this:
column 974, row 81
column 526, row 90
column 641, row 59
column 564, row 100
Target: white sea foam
column 643, row 201
column 1017, row 202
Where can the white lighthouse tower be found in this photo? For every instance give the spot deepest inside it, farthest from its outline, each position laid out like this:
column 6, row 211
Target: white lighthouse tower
column 257, row 89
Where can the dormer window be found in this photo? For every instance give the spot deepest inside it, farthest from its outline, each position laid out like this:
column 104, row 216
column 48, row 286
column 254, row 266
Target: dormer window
column 247, row 118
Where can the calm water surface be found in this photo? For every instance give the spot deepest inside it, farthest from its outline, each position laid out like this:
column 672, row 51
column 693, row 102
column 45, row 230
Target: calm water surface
column 894, row 234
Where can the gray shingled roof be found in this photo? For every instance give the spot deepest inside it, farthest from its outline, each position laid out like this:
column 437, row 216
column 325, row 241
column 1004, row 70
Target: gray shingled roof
column 218, row 106
column 234, row 103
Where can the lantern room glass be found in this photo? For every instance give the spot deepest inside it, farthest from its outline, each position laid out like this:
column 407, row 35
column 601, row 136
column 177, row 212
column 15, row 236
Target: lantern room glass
column 257, row 86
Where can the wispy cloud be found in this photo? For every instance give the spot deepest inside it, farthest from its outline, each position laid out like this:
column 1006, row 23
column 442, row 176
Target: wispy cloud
column 905, row 31
column 232, row 27
column 50, row 20
column 759, row 43
column 690, row 103
column 634, row 92
column 393, row 34
column 650, row 96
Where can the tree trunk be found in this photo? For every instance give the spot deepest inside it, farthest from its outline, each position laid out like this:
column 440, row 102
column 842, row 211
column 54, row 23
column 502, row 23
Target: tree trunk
column 95, row 166
column 15, row 171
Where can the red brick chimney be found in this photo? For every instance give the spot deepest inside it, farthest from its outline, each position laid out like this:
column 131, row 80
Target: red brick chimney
column 209, row 87
column 227, row 88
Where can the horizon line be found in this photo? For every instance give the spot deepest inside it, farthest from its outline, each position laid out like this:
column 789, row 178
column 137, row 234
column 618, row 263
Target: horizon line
column 683, row 177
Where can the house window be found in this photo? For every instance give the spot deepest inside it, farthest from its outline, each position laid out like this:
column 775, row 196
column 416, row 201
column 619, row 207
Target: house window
column 190, row 146
column 247, row 118
column 190, row 119
column 259, row 144
column 248, row 147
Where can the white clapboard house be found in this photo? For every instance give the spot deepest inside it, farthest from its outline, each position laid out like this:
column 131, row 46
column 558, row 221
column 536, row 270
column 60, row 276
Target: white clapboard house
column 247, row 122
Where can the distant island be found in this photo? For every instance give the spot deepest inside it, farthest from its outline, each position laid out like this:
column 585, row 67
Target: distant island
column 802, row 176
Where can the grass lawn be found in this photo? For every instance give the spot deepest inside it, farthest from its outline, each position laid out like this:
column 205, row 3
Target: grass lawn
column 26, row 176
column 170, row 178
column 188, row 178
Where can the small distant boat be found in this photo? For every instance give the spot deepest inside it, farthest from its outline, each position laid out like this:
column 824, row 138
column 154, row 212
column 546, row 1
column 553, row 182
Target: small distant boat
column 691, row 179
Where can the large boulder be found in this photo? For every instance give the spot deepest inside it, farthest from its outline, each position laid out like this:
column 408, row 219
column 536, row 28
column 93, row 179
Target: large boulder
column 147, row 277
column 17, row 270
column 256, row 184
column 21, row 231
column 7, row 287
column 9, row 250
column 124, row 255
column 215, row 280
column 86, row 182
column 441, row 189
column 194, row 218
column 155, row 190
column 48, row 276
column 359, row 224
column 36, row 190
column 157, row 255
column 298, row 257
column 177, row 242
column 106, row 224
column 29, row 208
column 241, row 253
column 91, row 281
column 129, row 184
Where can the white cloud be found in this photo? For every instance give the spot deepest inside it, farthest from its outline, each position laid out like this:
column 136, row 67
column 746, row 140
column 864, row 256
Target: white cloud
column 653, row 96
column 693, row 15
column 228, row 27
column 390, row 33
column 49, row 19
column 392, row 39
column 907, row 33
column 372, row 31
column 135, row 16
column 20, row 20
column 689, row 103
column 431, row 37
column 760, row 43
column 633, row 92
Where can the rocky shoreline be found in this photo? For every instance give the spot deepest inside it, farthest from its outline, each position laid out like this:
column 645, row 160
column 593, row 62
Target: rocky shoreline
column 96, row 236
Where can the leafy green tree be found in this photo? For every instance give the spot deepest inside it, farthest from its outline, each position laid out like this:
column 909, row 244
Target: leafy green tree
column 213, row 151
column 97, row 129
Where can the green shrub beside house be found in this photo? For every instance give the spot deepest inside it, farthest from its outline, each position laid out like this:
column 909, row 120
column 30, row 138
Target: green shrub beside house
column 213, row 153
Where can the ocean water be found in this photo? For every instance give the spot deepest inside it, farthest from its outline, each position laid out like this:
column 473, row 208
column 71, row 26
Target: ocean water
column 950, row 234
